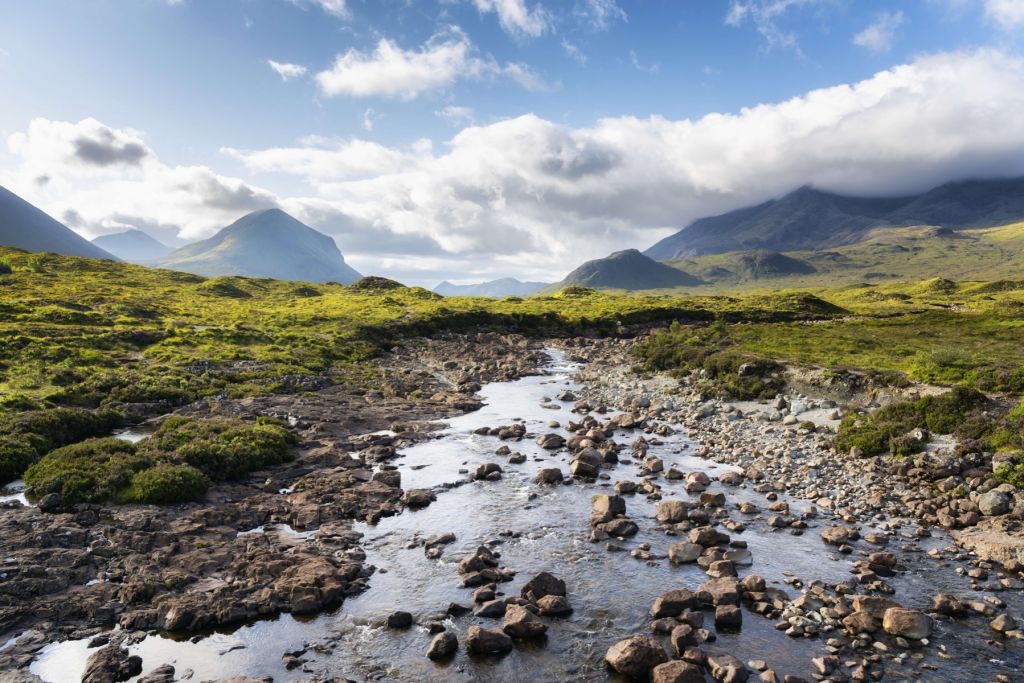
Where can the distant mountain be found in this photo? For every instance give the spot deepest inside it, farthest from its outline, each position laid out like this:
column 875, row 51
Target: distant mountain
column 26, row 227
column 267, row 243
column 506, row 286
column 809, row 219
column 628, row 270
column 133, row 245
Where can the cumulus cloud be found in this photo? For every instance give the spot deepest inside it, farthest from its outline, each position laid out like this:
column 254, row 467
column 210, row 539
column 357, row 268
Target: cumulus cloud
column 516, row 17
column 534, row 198
column 84, row 148
column 878, row 36
column 1009, row 14
column 287, row 71
column 393, row 72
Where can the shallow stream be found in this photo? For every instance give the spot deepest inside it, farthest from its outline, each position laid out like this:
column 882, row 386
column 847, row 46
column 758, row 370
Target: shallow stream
column 539, row 528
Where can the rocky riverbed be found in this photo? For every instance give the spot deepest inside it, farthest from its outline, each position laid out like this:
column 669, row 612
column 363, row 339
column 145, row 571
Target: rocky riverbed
column 580, row 524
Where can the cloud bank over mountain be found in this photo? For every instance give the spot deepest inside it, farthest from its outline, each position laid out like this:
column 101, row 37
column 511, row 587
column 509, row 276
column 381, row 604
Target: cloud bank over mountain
column 530, row 197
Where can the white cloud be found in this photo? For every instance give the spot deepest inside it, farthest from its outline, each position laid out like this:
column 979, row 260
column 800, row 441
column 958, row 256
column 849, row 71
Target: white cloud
column 533, row 198
column 390, row 71
column 600, row 14
column 646, row 68
column 766, row 16
column 1009, row 14
column 516, row 18
column 455, row 115
column 370, row 118
column 336, row 8
column 574, row 52
column 287, row 71
column 878, row 36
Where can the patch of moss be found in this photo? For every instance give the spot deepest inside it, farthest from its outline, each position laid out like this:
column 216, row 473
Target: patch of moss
column 165, row 484
column 93, row 471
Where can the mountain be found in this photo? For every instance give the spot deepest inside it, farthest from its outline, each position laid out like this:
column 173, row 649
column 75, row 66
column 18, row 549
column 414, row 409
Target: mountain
column 809, row 219
column 628, row 270
column 506, row 286
column 267, row 243
column 133, row 245
column 26, row 227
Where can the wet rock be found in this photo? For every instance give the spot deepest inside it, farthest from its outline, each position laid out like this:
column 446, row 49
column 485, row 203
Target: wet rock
column 516, row 458
column 161, row 674
column 908, row 623
column 488, row 471
column 724, row 591
column 671, row 511
column 51, row 502
column 554, row 606
column 111, row 664
column 677, row 672
column 492, row 609
column 836, row 535
column 728, row 616
column 635, row 657
column 549, row 475
column 583, row 470
column 947, row 605
column 487, row 641
column 684, row 552
column 542, row 585
column 860, row 622
column 443, row 646
column 400, row 620
column 673, row 603
column 727, row 669
column 621, row 528
column 522, row 623
column 418, row 498
column 1003, row 623
column 551, row 442
column 605, row 507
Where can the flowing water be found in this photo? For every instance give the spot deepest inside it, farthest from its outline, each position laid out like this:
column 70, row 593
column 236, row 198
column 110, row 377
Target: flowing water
column 539, row 528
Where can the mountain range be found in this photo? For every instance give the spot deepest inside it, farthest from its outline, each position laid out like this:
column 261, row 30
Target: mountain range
column 810, row 219
column 506, row 286
column 26, row 227
column 134, row 246
column 267, row 243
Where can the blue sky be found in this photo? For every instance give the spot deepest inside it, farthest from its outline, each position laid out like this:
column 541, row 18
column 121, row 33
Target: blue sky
column 472, row 138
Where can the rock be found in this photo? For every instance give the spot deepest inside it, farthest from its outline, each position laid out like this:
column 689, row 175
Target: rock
column 418, row 498
column 443, row 646
column 908, row 623
column 684, row 552
column 671, row 511
column 1004, row 623
column 654, row 464
column 550, row 442
column 605, row 507
column 554, row 606
column 111, row 664
column 635, row 657
column 947, row 605
column 994, row 503
column 836, row 535
column 51, row 502
column 620, row 528
column 161, row 674
column 677, row 672
column 492, row 609
column 487, row 641
column 400, row 620
column 728, row 616
column 724, row 591
column 522, row 623
column 549, row 475
column 860, row 622
column 727, row 668
column 583, row 470
column 673, row 603
column 488, row 470
column 542, row 585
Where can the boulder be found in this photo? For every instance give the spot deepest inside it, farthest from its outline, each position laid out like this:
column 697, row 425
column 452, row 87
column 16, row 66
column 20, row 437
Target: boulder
column 727, row 669
column 554, row 606
column 487, row 641
column 550, row 442
column 908, row 623
column 673, row 603
column 111, row 664
column 728, row 616
column 605, row 507
column 635, row 657
column 443, row 646
column 671, row 511
column 994, row 503
column 549, row 475
column 522, row 623
column 677, row 672
column 488, row 470
column 542, row 585
column 684, row 552
column 836, row 535
column 399, row 620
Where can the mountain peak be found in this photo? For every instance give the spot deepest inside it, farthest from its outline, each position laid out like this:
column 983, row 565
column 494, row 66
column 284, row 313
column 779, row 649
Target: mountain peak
column 25, row 226
column 133, row 245
column 628, row 269
column 266, row 243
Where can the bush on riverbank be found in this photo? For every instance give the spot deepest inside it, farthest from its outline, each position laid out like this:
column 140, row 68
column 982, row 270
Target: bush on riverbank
column 175, row 465
column 959, row 412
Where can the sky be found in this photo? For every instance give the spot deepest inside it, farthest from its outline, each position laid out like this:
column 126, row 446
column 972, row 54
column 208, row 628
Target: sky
column 474, row 139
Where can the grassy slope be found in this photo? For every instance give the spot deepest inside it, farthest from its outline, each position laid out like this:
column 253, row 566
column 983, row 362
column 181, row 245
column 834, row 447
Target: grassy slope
column 85, row 332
